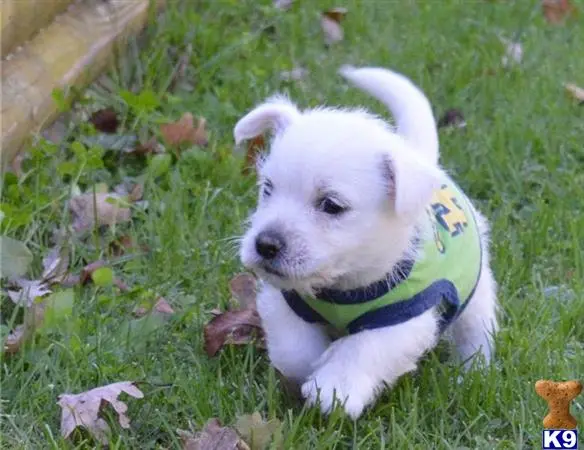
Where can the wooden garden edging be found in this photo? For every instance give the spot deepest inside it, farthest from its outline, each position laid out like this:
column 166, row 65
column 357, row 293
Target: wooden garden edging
column 73, row 48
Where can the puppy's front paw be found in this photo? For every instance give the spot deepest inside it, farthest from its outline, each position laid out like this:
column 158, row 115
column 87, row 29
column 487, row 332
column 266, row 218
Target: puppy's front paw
column 350, row 389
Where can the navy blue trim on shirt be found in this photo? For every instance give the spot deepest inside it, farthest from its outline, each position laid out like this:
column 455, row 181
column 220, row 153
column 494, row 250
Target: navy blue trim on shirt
column 440, row 292
column 400, row 272
column 301, row 308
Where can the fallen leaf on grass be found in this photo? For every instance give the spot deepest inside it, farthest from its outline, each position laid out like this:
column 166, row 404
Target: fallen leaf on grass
column 125, row 244
column 330, row 22
column 243, row 287
column 56, row 265
column 14, row 340
column 452, row 118
column 105, row 120
column 29, row 291
column 575, row 91
column 256, row 432
column 184, row 131
column 46, row 314
column 131, row 192
column 15, row 257
column 161, row 306
column 82, row 410
column 88, row 274
column 557, row 11
column 254, row 147
column 101, row 208
column 213, row 437
column 238, row 327
column 151, row 146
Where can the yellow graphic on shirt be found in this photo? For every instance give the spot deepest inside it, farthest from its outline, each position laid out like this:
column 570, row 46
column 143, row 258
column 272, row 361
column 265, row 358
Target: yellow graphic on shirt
column 448, row 211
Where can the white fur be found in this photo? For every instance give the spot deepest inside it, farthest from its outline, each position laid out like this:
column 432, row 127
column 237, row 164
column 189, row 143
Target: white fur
column 413, row 113
column 386, row 180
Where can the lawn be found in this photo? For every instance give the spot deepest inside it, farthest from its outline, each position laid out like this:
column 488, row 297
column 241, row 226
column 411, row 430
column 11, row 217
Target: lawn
column 520, row 156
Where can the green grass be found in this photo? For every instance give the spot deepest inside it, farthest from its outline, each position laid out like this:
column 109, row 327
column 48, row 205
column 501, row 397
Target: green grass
column 520, row 157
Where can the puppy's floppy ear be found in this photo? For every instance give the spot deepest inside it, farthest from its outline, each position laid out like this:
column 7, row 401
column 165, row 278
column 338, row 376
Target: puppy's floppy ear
column 411, row 181
column 275, row 114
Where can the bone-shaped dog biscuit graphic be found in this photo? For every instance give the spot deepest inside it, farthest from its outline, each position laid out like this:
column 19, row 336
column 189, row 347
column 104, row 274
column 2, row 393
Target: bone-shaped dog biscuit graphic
column 558, row 396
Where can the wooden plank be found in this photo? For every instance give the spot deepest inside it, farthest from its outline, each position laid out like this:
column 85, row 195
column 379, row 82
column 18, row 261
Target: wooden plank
column 21, row 19
column 71, row 51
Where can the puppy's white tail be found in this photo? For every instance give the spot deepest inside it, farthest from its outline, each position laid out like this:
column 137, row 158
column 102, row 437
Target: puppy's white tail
column 408, row 104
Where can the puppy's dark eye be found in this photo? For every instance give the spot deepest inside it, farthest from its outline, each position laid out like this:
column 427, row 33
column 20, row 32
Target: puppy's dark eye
column 329, row 206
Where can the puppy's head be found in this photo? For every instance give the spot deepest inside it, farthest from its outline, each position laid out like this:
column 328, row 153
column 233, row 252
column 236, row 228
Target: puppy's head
column 339, row 197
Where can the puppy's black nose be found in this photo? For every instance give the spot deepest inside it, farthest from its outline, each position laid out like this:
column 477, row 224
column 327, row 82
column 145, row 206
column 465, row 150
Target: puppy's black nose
column 269, row 244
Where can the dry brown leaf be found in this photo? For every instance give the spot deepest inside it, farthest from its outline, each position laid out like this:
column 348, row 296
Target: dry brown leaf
column 56, row 265
column 88, row 270
column 336, row 14
column 71, row 280
column 82, row 410
column 256, row 432
column 184, row 131
column 151, row 146
column 33, row 318
column 238, row 327
column 161, row 306
column 136, row 193
column 15, row 339
column 243, row 287
column 254, row 147
column 330, row 22
column 575, row 91
column 557, row 11
column 212, row 437
column 131, row 192
column 101, row 208
column 105, row 120
column 125, row 244
column 452, row 118
column 28, row 292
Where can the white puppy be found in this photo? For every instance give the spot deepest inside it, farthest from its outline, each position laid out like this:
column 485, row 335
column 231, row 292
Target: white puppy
column 359, row 231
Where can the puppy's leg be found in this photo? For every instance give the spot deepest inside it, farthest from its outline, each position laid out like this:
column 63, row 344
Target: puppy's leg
column 293, row 344
column 474, row 330
column 355, row 368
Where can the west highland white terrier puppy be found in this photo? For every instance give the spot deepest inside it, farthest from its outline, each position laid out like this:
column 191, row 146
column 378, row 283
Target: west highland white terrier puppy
column 359, row 235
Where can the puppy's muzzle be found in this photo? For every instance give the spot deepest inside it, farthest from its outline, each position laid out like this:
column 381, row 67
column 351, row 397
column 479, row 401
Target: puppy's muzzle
column 269, row 244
